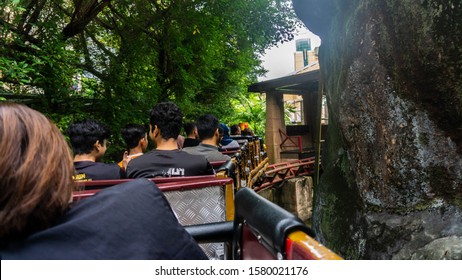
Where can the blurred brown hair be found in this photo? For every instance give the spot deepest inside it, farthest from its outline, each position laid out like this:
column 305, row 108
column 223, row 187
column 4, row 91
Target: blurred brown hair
column 36, row 172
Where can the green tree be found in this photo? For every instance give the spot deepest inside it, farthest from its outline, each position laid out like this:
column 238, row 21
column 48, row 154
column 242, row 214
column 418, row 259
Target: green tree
column 124, row 56
column 250, row 108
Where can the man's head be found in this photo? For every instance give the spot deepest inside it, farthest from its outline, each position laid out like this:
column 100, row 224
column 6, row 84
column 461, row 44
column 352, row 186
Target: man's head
column 87, row 136
column 225, row 129
column 235, row 130
column 247, row 132
column 207, row 127
column 167, row 118
column 134, row 135
column 190, row 129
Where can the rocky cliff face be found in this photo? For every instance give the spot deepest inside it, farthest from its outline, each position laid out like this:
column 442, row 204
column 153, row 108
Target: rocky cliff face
column 392, row 186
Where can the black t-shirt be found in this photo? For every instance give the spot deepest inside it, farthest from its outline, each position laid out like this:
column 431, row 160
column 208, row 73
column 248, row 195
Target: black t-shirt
column 168, row 163
column 89, row 170
column 128, row 221
column 190, row 142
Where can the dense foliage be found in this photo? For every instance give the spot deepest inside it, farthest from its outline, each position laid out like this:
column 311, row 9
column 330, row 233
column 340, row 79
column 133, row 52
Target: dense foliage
column 112, row 60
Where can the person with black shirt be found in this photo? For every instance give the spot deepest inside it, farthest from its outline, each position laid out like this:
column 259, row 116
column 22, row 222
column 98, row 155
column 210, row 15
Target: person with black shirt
column 191, row 140
column 166, row 160
column 136, row 139
column 89, row 142
column 207, row 128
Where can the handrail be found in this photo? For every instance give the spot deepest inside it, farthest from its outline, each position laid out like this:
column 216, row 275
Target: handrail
column 212, row 232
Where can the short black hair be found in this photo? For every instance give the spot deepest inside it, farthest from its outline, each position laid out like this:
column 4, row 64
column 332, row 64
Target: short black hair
column 132, row 134
column 206, row 126
column 168, row 118
column 84, row 134
column 189, row 127
column 234, row 129
column 247, row 132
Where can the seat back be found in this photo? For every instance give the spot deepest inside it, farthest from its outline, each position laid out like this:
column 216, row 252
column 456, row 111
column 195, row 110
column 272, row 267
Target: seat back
column 196, row 200
column 202, row 202
column 101, row 184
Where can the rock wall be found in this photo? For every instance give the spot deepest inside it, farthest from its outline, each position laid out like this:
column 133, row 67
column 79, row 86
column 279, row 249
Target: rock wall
column 392, row 184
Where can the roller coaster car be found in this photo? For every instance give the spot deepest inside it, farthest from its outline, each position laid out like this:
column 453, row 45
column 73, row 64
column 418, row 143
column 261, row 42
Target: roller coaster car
column 228, row 226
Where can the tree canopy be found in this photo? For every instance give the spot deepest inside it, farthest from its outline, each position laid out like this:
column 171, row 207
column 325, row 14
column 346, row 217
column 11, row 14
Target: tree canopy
column 113, row 60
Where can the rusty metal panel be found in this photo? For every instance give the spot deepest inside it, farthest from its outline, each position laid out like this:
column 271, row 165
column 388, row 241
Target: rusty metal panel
column 200, row 206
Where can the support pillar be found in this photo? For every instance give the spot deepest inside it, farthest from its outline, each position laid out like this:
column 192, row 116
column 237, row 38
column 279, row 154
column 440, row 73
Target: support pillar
column 274, row 121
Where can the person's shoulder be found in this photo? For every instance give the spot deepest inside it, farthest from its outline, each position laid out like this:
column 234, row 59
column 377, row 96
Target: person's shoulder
column 217, row 156
column 83, row 164
column 96, row 167
column 106, row 165
column 104, row 171
column 194, row 150
column 197, row 158
column 142, row 158
column 231, row 145
column 189, row 149
column 184, row 153
column 223, row 156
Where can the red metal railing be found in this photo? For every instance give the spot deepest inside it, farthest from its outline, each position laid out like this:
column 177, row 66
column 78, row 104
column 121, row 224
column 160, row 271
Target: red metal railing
column 276, row 173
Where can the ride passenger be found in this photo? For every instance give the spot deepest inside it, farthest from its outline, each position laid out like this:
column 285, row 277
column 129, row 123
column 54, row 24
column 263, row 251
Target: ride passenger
column 226, row 141
column 89, row 142
column 235, row 130
column 191, row 140
column 37, row 221
column 136, row 139
column 207, row 128
column 248, row 132
column 236, row 134
column 167, row 160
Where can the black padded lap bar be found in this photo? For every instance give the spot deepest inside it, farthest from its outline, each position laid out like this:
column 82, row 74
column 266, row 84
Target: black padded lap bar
column 211, row 233
column 267, row 219
column 229, row 167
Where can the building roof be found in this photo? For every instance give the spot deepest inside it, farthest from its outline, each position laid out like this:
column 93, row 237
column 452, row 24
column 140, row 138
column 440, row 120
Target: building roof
column 303, row 81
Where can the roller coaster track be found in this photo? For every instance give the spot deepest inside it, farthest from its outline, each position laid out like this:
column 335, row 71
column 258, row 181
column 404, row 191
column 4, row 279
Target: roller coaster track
column 276, row 173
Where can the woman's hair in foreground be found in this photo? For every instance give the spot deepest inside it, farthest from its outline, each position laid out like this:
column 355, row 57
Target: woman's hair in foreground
column 36, row 171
